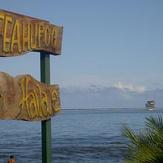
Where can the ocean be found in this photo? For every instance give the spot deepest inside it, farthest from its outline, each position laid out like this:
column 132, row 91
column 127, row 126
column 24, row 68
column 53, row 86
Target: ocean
column 78, row 136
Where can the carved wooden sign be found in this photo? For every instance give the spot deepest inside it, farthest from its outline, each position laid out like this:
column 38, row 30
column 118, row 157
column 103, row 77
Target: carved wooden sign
column 20, row 34
column 24, row 98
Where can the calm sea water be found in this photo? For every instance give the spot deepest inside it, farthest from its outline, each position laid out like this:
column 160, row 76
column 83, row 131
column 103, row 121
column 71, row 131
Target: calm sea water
column 78, row 136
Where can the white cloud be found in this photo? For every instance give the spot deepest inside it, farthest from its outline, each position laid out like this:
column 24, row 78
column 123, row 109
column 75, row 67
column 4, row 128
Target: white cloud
column 87, row 81
column 130, row 87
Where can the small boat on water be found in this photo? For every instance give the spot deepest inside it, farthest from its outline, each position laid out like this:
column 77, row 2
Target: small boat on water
column 150, row 105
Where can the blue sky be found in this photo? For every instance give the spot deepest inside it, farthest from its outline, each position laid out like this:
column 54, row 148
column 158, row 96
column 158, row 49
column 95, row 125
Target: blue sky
column 105, row 42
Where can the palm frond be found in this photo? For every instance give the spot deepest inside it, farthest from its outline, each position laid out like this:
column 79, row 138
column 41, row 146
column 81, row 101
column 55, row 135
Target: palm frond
column 129, row 133
column 146, row 146
column 155, row 124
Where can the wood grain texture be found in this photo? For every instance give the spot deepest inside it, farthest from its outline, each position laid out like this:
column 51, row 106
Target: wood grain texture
column 24, row 98
column 20, row 34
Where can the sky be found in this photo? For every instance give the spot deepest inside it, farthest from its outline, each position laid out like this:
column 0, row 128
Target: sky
column 105, row 42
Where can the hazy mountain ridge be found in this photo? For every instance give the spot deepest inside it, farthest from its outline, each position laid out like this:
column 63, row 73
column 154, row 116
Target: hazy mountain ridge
column 103, row 97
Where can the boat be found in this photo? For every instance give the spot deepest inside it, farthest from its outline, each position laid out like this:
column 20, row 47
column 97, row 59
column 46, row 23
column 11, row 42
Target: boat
column 150, row 105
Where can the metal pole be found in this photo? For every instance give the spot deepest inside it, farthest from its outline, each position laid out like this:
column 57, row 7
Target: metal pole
column 45, row 125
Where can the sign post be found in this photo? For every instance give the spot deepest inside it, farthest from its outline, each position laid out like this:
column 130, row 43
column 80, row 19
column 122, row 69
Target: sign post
column 25, row 98
column 45, row 125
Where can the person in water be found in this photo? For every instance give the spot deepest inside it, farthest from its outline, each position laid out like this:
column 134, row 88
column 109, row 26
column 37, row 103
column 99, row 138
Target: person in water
column 11, row 159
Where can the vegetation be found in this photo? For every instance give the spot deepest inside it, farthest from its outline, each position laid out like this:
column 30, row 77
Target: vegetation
column 147, row 145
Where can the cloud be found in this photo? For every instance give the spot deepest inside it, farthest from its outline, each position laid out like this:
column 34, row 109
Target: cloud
column 130, row 87
column 120, row 96
column 89, row 81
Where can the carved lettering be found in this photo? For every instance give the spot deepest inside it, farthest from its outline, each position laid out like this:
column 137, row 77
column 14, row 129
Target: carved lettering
column 35, row 100
column 24, row 98
column 40, row 34
column 22, row 34
column 6, row 38
column 16, row 37
column 26, row 36
column 34, row 33
column 47, row 35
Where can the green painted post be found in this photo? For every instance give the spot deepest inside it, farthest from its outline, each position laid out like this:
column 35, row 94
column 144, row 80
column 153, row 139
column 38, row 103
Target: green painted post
column 45, row 125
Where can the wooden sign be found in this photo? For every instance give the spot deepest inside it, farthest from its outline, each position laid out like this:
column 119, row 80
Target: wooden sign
column 20, row 34
column 24, row 98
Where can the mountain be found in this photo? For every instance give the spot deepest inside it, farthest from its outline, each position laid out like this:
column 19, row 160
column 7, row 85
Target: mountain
column 108, row 97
